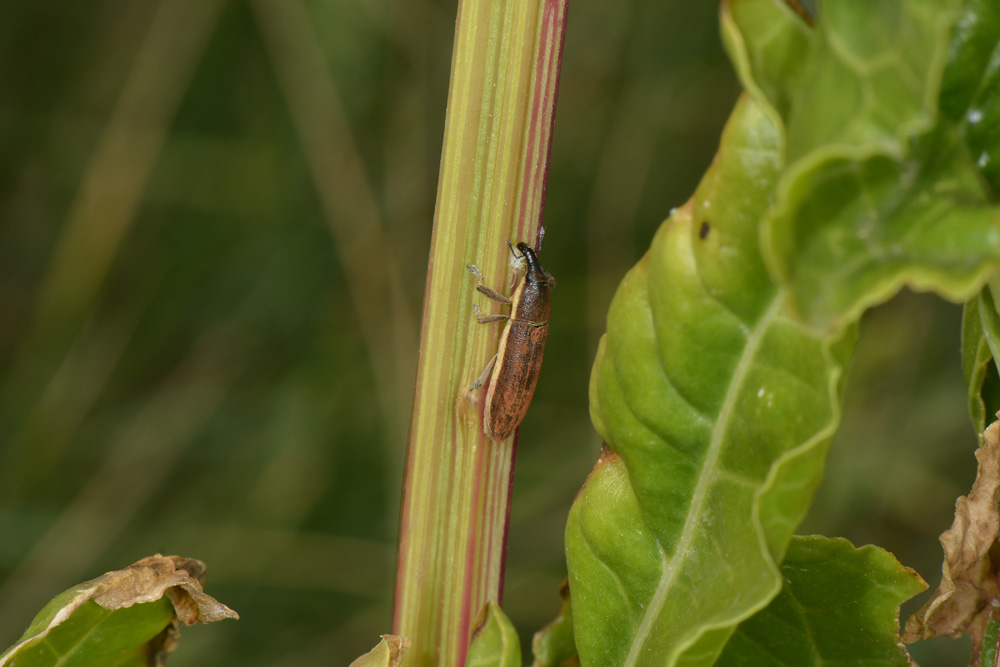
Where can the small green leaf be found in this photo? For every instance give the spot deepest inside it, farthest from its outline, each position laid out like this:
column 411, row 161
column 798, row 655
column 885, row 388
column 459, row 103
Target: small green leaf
column 980, row 346
column 554, row 645
column 94, row 636
column 494, row 640
column 388, row 653
column 988, row 651
column 839, row 605
column 122, row 618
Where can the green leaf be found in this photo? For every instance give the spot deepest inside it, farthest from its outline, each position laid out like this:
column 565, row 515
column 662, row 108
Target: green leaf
column 976, row 358
column 863, row 81
column 768, row 43
column 881, row 191
column 848, row 234
column 839, row 605
column 988, row 656
column 554, row 645
column 720, row 406
column 93, row 636
column 122, row 618
column 970, row 92
column 980, row 346
column 494, row 640
column 388, row 653
column 717, row 384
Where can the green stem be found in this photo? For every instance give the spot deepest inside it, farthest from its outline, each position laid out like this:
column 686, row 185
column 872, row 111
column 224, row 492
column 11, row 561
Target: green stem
column 456, row 497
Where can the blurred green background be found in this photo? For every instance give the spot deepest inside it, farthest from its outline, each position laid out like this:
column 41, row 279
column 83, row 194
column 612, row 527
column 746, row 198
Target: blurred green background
column 215, row 223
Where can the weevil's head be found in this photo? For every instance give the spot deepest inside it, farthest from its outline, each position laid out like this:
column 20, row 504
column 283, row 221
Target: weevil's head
column 536, row 273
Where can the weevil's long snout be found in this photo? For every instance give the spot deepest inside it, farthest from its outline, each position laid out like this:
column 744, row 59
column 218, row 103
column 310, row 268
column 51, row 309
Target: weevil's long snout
column 535, row 271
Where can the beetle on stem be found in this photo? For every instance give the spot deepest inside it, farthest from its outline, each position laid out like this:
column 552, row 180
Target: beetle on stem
column 518, row 359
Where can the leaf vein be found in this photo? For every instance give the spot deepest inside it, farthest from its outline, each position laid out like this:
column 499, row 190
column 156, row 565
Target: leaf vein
column 705, row 478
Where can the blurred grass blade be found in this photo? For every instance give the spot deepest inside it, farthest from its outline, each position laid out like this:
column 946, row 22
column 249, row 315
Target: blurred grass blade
column 147, row 450
column 491, row 186
column 116, row 175
column 350, row 206
column 128, row 617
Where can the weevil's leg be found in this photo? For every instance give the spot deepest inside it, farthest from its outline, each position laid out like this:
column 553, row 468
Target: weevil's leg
column 486, row 374
column 492, row 294
column 486, row 319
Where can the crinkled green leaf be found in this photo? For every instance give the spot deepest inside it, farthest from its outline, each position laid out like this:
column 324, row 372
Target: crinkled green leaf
column 839, row 606
column 881, row 190
column 769, row 49
column 980, row 346
column 494, row 640
column 716, row 385
column 863, row 81
column 554, row 645
column 970, row 92
column 855, row 231
column 720, row 406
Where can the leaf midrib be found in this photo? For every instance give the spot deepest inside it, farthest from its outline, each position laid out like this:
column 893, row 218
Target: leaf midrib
column 673, row 565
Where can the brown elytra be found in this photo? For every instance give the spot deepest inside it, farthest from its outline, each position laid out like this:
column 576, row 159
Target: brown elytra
column 518, row 360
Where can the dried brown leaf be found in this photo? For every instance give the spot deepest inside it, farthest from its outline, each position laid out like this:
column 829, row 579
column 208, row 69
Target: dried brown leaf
column 969, row 586
column 151, row 578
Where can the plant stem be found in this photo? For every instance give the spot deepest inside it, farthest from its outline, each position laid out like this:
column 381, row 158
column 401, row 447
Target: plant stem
column 456, row 498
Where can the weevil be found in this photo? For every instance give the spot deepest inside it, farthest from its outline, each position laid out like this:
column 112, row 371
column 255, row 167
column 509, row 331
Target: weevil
column 513, row 371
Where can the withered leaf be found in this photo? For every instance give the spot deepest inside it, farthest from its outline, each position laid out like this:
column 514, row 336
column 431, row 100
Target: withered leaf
column 151, row 578
column 969, row 588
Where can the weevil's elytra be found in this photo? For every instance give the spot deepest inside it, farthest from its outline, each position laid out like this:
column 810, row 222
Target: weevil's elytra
column 518, row 360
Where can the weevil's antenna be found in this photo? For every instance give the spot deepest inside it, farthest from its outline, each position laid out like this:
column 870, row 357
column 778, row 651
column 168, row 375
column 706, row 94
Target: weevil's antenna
column 512, row 251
